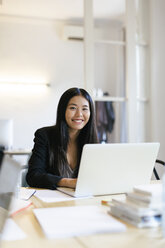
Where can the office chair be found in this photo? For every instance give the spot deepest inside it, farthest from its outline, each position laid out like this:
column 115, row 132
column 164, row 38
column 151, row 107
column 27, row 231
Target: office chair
column 155, row 170
column 1, row 154
column 24, row 171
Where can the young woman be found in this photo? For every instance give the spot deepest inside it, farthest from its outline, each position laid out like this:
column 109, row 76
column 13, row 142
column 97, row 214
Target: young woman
column 57, row 149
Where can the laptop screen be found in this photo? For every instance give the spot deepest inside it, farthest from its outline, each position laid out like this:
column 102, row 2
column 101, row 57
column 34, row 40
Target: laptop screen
column 9, row 175
column 113, row 168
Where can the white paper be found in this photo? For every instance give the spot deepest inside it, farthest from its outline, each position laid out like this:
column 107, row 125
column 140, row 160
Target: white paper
column 62, row 222
column 154, row 190
column 25, row 193
column 18, row 205
column 48, row 196
column 12, row 231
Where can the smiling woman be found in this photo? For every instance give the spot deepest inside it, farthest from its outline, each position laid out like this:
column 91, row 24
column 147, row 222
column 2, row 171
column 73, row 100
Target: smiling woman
column 77, row 113
column 57, row 149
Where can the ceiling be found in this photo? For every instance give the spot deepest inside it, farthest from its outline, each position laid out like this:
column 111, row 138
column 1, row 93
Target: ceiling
column 62, row 9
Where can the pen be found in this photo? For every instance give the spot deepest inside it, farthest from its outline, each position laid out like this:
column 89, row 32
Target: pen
column 21, row 209
column 107, row 203
column 32, row 194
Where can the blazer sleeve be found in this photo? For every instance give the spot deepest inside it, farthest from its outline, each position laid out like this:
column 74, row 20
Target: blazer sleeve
column 38, row 173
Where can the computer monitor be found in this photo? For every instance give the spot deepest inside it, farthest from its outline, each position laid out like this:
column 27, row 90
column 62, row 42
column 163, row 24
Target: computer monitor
column 6, row 133
column 9, row 176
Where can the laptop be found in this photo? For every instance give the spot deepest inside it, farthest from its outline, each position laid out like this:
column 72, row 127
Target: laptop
column 9, row 176
column 113, row 168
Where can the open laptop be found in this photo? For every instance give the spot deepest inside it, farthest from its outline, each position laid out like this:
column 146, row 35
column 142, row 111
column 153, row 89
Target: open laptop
column 113, row 168
column 9, row 175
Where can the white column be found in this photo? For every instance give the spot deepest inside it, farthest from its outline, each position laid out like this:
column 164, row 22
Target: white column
column 143, row 66
column 137, row 64
column 131, row 77
column 88, row 46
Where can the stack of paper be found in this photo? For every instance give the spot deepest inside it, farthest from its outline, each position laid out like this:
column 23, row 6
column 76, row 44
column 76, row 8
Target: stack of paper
column 62, row 222
column 51, row 196
column 142, row 207
column 149, row 196
column 26, row 193
column 18, row 205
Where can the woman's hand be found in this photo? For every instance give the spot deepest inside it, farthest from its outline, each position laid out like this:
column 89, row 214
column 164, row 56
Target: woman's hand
column 68, row 182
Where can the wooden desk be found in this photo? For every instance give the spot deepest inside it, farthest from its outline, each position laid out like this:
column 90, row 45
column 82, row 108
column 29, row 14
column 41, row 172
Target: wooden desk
column 132, row 238
column 17, row 152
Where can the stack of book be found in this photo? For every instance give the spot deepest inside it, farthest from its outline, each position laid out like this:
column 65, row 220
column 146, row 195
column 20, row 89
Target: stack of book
column 142, row 207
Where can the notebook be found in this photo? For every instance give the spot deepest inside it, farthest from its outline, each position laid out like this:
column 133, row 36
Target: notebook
column 9, row 175
column 73, row 221
column 113, row 168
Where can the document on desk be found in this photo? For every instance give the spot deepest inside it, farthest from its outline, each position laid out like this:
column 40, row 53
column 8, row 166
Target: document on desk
column 25, row 193
column 12, row 231
column 18, row 205
column 49, row 196
column 63, row 222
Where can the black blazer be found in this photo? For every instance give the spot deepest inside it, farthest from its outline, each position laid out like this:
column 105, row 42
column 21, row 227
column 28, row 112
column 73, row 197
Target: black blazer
column 40, row 174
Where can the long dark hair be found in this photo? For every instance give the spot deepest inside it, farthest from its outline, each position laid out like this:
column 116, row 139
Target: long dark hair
column 87, row 135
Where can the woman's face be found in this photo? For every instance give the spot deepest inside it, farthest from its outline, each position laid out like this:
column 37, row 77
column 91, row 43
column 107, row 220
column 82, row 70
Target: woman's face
column 77, row 113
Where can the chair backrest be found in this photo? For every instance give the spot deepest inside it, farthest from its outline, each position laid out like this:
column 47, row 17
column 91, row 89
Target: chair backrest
column 23, row 182
column 156, row 169
column 1, row 155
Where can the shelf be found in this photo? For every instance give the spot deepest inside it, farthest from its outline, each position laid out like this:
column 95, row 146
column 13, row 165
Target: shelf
column 111, row 42
column 143, row 44
column 118, row 99
column 142, row 99
column 110, row 99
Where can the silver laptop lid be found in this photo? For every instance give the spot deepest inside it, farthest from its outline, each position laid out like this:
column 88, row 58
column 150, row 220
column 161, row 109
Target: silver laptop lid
column 115, row 168
column 9, row 175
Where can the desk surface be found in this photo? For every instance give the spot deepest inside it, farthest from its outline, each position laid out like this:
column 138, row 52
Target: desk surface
column 18, row 152
column 132, row 238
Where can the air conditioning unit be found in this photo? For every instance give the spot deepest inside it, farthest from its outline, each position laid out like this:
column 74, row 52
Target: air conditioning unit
column 73, row 32
column 76, row 32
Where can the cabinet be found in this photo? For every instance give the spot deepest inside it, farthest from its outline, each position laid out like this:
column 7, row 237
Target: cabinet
column 100, row 70
column 132, row 96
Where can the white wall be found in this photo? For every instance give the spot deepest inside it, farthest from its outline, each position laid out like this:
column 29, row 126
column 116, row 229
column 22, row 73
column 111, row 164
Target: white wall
column 33, row 48
column 158, row 74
